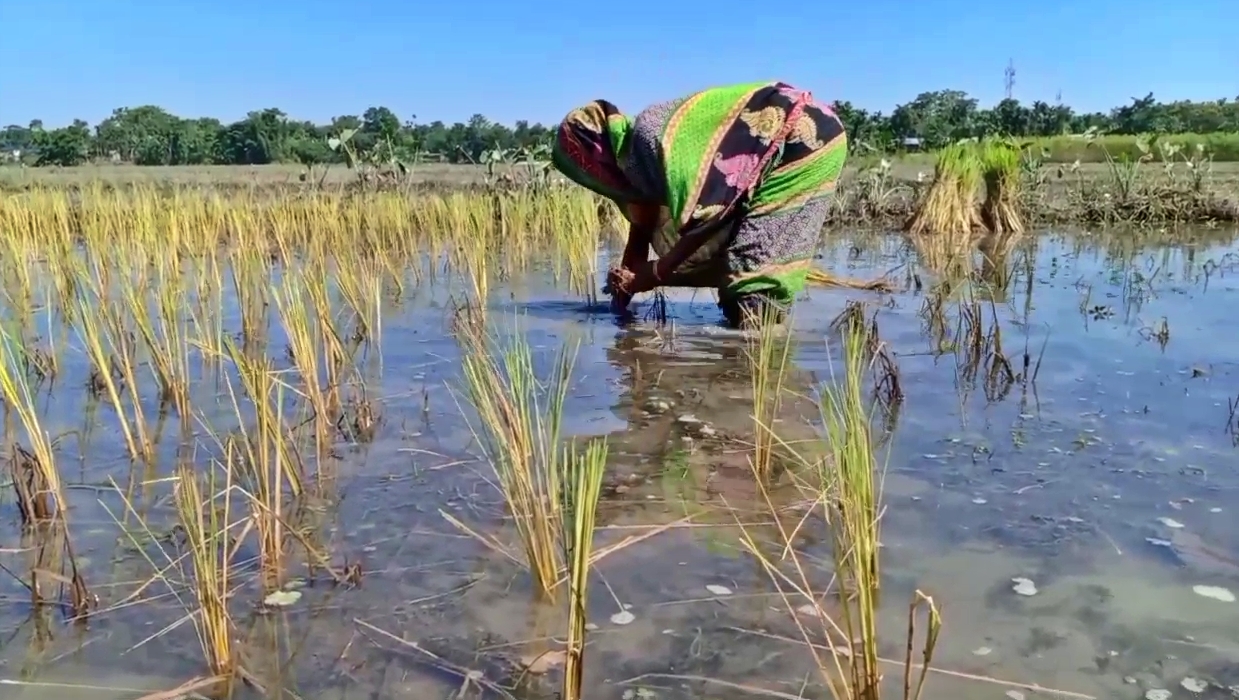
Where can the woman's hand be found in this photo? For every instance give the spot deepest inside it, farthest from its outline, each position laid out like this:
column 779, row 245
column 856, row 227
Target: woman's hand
column 635, row 280
column 644, row 277
column 618, row 279
column 624, row 283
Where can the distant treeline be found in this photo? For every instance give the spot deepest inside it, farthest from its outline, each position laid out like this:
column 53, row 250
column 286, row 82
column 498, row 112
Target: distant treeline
column 149, row 135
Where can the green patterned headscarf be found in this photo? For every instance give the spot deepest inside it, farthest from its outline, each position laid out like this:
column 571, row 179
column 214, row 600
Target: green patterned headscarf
column 587, row 150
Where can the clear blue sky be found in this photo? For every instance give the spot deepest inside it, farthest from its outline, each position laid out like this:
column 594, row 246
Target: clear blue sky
column 61, row 59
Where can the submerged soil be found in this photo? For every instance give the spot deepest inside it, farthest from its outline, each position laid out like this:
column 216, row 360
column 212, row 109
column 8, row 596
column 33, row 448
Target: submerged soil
column 1096, row 475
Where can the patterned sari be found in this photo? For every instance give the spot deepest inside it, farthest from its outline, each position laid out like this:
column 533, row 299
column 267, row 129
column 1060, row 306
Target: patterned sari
column 756, row 163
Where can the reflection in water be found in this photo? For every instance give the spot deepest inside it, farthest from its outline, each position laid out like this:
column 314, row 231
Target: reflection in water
column 687, row 399
column 995, row 270
column 1095, row 464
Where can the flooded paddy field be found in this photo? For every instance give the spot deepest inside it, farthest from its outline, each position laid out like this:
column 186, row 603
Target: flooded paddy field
column 1060, row 479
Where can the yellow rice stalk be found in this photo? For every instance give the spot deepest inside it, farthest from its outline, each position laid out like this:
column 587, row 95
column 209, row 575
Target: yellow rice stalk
column 206, row 528
column 520, row 433
column 583, row 477
column 163, row 332
column 19, row 398
column 769, row 354
column 301, row 329
column 846, row 492
column 107, row 344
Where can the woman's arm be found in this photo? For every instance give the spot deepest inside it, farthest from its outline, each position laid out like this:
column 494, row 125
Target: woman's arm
column 683, row 249
column 643, row 223
column 650, row 275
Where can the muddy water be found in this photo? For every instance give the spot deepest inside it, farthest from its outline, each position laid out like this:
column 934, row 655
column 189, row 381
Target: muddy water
column 1103, row 475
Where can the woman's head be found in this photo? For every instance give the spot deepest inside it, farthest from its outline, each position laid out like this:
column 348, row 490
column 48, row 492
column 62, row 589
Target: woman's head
column 587, row 149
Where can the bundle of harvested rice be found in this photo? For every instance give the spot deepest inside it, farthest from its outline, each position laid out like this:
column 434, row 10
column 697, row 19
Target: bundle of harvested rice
column 950, row 205
column 1000, row 166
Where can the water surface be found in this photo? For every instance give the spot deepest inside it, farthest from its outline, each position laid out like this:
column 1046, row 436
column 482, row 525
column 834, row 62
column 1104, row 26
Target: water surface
column 1107, row 480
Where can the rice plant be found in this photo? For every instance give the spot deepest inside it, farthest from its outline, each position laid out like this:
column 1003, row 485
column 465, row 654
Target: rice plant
column 40, row 492
column 844, row 487
column 305, row 345
column 206, row 524
column 583, row 477
column 769, row 355
column 173, row 296
column 520, row 419
column 264, row 456
column 163, row 331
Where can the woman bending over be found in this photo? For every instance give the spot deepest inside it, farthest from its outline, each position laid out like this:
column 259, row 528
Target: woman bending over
column 730, row 186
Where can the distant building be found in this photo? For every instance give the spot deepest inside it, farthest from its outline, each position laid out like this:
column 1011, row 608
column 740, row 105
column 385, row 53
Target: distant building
column 911, row 143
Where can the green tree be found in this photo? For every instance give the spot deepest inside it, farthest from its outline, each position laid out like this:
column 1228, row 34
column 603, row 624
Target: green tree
column 150, row 135
column 380, row 123
column 15, row 139
column 66, row 146
column 141, row 135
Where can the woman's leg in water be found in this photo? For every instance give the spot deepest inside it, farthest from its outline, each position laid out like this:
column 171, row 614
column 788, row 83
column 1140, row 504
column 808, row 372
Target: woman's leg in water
column 751, row 310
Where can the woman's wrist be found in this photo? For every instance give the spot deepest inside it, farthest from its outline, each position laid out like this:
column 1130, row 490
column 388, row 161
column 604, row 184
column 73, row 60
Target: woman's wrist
column 637, row 247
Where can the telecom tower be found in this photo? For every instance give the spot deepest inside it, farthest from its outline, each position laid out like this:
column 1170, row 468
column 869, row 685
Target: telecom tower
column 1009, row 78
